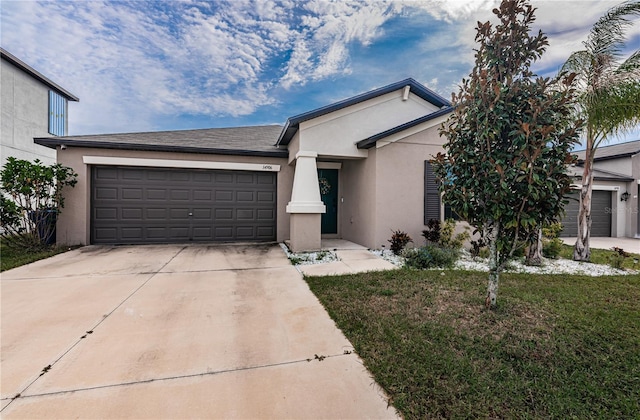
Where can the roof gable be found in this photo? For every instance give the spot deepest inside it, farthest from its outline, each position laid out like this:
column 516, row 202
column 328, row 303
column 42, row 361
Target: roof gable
column 6, row 55
column 293, row 123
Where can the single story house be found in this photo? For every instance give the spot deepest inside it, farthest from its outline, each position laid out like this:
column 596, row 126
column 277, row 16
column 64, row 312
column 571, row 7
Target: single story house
column 616, row 187
column 356, row 169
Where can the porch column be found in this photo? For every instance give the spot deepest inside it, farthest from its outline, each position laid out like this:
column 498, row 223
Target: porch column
column 305, row 207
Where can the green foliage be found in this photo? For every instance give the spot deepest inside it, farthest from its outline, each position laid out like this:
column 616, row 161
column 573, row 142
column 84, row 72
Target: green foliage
column 450, row 240
column 32, row 199
column 551, row 243
column 398, row 241
column 616, row 260
column 431, row 256
column 509, row 138
column 432, row 233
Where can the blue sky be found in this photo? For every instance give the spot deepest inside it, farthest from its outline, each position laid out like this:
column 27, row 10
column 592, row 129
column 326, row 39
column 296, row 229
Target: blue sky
column 168, row 65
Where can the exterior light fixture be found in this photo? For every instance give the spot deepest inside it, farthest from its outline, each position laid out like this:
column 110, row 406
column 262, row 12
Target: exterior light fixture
column 624, row 196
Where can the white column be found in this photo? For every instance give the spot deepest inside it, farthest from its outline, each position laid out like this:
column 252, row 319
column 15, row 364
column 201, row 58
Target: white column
column 305, row 196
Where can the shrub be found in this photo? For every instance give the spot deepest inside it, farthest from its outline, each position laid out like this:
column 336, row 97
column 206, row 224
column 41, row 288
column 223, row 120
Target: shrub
column 431, row 256
column 432, row 233
column 551, row 248
column 448, row 239
column 617, row 257
column 477, row 247
column 31, row 200
column 398, row 241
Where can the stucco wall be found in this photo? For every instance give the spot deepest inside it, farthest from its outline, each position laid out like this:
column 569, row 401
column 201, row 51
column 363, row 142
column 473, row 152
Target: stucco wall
column 400, row 185
column 622, row 166
column 335, row 134
column 24, row 107
column 73, row 224
column 356, row 207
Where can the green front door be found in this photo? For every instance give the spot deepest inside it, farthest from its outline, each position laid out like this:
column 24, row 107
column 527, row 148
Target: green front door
column 328, row 179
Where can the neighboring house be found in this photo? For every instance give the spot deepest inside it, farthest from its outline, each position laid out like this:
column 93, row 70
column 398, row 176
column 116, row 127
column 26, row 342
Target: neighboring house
column 357, row 169
column 32, row 106
column 616, row 187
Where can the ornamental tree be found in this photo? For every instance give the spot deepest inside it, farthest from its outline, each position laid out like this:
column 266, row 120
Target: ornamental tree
column 31, row 198
column 509, row 140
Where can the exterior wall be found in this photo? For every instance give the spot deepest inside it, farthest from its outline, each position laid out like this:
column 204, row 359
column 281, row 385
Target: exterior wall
column 622, row 166
column 400, row 185
column 336, row 134
column 25, row 109
column 74, row 223
column 356, row 206
column 634, row 201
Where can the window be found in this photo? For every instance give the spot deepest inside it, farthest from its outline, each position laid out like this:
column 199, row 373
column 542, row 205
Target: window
column 57, row 114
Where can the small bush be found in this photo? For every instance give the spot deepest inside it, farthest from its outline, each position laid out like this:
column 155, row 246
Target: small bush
column 398, row 241
column 551, row 248
column 431, row 256
column 448, row 239
column 432, row 233
column 617, row 257
column 477, row 247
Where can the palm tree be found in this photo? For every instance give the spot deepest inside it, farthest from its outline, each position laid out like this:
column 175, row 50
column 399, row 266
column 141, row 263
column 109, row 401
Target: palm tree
column 609, row 102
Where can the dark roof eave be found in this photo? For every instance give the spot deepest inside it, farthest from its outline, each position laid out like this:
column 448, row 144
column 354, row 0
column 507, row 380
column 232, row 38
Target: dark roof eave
column 293, row 123
column 37, row 75
column 371, row 141
column 52, row 142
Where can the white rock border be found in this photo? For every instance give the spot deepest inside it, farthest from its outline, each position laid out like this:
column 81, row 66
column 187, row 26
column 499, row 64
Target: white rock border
column 549, row 266
column 309, row 258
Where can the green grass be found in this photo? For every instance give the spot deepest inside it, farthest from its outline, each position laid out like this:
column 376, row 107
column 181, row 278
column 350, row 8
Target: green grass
column 603, row 256
column 12, row 256
column 557, row 346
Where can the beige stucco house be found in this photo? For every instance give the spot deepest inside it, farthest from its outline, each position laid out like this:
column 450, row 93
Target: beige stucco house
column 356, row 170
column 616, row 187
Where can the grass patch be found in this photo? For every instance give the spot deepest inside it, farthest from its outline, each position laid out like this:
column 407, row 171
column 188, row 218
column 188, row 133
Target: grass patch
column 603, row 256
column 557, row 346
column 12, row 257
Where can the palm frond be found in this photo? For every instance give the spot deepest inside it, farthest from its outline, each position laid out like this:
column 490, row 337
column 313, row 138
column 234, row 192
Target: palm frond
column 608, row 33
column 631, row 65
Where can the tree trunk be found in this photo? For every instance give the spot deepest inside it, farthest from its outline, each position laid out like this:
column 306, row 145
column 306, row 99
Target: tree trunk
column 534, row 250
column 494, row 267
column 581, row 250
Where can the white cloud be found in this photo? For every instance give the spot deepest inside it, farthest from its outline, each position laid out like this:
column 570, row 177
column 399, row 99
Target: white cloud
column 134, row 62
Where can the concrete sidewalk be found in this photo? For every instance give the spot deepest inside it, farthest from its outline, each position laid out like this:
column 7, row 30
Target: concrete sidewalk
column 628, row 244
column 354, row 258
column 175, row 332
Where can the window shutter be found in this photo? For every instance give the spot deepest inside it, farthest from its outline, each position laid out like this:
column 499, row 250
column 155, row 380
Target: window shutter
column 57, row 108
column 431, row 194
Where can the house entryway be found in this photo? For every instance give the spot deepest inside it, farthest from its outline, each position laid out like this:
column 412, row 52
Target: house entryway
column 328, row 180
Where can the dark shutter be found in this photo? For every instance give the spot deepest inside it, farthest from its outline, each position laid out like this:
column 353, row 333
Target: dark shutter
column 431, row 194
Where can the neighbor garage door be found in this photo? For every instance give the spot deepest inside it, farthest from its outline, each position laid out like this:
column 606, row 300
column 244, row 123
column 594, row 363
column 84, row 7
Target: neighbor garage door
column 131, row 205
column 600, row 215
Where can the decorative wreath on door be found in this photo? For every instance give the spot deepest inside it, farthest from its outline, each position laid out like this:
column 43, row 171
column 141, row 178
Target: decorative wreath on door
column 325, row 187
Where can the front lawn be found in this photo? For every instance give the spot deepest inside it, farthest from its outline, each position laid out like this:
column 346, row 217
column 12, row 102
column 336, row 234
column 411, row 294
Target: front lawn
column 12, row 256
column 557, row 346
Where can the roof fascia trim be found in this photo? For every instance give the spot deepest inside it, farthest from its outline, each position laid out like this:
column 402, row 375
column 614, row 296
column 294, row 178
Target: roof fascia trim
column 371, row 141
column 35, row 74
column 52, row 142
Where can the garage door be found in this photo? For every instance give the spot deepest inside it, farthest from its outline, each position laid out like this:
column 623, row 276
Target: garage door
column 600, row 215
column 131, row 205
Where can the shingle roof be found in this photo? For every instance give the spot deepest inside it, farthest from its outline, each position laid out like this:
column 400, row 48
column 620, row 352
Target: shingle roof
column 6, row 55
column 614, row 151
column 293, row 123
column 251, row 141
column 599, row 174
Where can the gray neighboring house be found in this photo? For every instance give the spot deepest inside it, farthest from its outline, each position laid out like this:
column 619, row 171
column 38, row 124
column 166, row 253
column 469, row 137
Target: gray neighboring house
column 32, row 106
column 356, row 169
column 616, row 188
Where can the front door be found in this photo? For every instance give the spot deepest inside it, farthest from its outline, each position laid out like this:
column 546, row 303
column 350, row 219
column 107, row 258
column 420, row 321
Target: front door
column 328, row 180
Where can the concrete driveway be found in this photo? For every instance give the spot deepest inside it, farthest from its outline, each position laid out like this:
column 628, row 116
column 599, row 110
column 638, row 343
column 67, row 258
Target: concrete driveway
column 175, row 331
